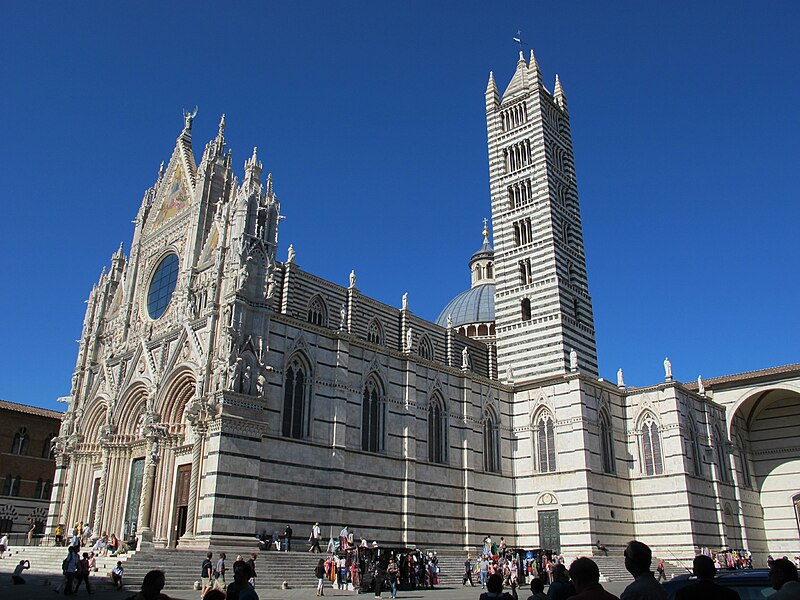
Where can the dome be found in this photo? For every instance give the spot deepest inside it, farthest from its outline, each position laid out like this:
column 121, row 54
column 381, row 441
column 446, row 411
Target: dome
column 475, row 305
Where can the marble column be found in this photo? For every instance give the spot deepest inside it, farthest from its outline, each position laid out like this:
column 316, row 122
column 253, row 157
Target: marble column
column 146, row 503
column 194, row 483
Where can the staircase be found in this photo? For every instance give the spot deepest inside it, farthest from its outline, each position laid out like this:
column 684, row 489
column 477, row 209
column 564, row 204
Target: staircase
column 46, row 564
column 182, row 567
column 612, row 568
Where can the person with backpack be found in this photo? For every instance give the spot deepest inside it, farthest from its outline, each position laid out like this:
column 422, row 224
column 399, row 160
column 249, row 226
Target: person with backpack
column 82, row 574
column 207, row 574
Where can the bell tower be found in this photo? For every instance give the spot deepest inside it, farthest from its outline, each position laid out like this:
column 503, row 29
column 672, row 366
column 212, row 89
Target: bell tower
column 542, row 304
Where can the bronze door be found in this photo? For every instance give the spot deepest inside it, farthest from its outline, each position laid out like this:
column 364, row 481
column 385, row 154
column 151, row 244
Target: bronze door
column 182, row 480
column 549, row 533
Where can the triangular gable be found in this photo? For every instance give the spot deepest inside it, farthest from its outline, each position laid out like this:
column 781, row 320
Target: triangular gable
column 176, row 189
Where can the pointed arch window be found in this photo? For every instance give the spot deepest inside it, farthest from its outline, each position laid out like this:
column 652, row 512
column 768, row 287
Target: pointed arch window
column 425, row 348
column 607, row 443
column 744, row 463
column 317, row 313
column 43, row 488
column 491, row 443
column 375, row 332
column 296, row 392
column 545, row 442
column 20, row 443
column 719, row 449
column 437, row 431
column 650, row 451
column 694, row 449
column 372, row 417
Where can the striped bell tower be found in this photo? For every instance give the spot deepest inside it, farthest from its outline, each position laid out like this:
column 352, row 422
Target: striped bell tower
column 542, row 304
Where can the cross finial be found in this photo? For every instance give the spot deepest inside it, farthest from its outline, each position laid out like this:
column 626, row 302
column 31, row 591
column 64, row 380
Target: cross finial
column 486, row 230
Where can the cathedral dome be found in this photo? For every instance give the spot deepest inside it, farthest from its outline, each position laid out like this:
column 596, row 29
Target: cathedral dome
column 475, row 305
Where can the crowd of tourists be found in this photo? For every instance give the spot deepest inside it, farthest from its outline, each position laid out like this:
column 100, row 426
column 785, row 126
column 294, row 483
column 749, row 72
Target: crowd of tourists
column 729, row 558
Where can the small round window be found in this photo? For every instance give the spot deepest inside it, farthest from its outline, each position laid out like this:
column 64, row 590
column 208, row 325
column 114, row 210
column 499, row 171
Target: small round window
column 162, row 285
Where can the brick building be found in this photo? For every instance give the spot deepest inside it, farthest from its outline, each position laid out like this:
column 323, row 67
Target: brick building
column 27, row 465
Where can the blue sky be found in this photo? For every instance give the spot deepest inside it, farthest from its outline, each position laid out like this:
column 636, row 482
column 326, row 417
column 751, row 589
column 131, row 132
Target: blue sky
column 371, row 117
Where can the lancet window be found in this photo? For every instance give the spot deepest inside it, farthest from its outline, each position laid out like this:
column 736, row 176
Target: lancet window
column 437, row 431
column 372, row 417
column 607, row 443
column 650, row 441
column 317, row 314
column 491, row 443
column 545, row 442
column 425, row 348
column 375, row 332
column 20, row 443
column 296, row 399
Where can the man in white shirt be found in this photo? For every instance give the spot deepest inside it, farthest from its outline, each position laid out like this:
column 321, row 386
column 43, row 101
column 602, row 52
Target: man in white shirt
column 314, row 538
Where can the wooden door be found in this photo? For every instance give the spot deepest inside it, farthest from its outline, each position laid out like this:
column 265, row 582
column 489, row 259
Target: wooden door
column 182, row 481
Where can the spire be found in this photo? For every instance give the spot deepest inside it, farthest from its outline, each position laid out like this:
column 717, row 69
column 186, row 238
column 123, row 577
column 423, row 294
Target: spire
column 252, row 169
column 219, row 141
column 492, row 95
column 533, row 65
column 533, row 71
column 558, row 94
column 518, row 81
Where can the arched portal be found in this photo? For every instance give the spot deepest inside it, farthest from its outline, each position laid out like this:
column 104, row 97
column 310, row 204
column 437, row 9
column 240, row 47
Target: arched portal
column 764, row 424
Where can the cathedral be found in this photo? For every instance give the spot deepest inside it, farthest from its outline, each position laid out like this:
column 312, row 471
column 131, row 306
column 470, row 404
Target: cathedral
column 221, row 390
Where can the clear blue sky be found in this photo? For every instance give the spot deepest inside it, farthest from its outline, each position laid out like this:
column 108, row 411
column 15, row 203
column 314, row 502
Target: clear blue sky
column 371, row 117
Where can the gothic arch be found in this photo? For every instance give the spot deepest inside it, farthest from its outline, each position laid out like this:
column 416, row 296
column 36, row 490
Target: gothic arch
column 373, row 414
column 648, row 433
column 375, row 332
column 543, row 434
column 133, row 403
column 490, row 433
column 93, row 418
column 296, row 407
column 177, row 392
column 425, row 347
column 317, row 311
column 438, row 426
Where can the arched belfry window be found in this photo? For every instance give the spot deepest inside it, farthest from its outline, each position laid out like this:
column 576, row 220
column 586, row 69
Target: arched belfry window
column 20, row 443
column 437, row 431
column 317, row 313
column 607, row 443
column 372, row 416
column 375, row 332
column 296, row 402
column 425, row 348
column 650, row 450
column 491, row 442
column 526, row 309
column 545, row 442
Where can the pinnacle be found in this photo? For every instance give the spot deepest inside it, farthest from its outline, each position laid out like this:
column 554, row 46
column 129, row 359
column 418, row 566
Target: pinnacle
column 533, row 64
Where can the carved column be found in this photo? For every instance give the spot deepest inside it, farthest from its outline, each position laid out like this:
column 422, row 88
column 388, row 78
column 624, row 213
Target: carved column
column 146, row 503
column 101, row 495
column 194, row 483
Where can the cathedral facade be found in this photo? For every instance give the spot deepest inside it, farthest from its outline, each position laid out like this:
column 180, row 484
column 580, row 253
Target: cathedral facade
column 220, row 391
